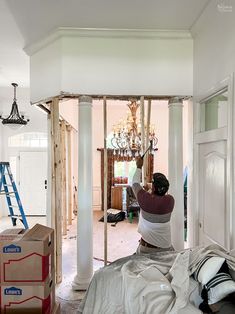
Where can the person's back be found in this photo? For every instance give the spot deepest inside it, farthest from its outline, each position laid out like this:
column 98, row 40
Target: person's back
column 155, row 213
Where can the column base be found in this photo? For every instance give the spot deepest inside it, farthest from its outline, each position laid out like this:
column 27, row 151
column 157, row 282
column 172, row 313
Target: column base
column 80, row 284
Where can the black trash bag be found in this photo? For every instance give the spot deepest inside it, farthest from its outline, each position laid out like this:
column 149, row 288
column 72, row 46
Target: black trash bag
column 114, row 217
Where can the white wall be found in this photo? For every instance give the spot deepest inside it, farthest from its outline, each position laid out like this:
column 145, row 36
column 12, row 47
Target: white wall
column 214, row 53
column 214, row 46
column 113, row 63
column 45, row 72
column 69, row 111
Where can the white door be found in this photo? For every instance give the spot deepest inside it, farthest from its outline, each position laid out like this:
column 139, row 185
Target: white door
column 33, row 176
column 213, row 222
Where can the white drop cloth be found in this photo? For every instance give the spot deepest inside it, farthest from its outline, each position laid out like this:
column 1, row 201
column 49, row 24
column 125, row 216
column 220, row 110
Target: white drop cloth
column 147, row 284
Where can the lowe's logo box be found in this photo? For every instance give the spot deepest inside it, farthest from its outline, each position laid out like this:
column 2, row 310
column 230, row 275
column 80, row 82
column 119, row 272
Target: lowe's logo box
column 12, row 249
column 12, row 291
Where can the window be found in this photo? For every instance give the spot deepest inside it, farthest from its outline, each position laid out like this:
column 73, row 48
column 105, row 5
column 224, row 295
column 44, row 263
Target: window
column 214, row 111
column 30, row 139
column 124, row 169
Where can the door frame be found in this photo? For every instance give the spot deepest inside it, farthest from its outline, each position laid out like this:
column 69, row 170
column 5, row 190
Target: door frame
column 225, row 133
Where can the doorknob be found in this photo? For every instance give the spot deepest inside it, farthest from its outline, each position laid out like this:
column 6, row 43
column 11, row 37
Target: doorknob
column 45, row 182
column 200, row 224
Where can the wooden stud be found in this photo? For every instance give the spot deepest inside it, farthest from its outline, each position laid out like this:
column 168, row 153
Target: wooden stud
column 56, row 186
column 105, row 181
column 147, row 174
column 50, row 175
column 142, row 136
column 69, row 176
column 64, row 177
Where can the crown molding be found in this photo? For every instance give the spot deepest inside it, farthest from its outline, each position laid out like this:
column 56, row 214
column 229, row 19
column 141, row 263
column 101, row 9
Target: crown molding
column 64, row 32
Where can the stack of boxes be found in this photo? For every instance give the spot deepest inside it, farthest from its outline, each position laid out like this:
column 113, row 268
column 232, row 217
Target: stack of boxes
column 27, row 271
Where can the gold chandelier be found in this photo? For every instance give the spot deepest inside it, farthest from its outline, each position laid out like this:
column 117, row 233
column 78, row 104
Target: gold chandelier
column 126, row 139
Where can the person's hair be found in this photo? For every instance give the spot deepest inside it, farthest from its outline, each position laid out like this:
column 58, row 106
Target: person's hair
column 160, row 183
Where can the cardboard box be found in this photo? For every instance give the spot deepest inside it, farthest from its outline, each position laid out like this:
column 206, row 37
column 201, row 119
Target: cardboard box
column 26, row 257
column 37, row 298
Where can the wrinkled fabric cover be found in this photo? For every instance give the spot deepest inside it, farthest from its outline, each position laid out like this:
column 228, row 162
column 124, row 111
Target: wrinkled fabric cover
column 147, row 284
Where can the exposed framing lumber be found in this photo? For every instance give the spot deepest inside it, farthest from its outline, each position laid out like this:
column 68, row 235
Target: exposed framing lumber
column 105, row 181
column 143, row 137
column 147, row 174
column 64, row 175
column 69, row 177
column 56, row 186
column 50, row 175
column 64, row 95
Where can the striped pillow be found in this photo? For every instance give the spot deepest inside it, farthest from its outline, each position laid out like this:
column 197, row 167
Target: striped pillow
column 218, row 288
column 207, row 268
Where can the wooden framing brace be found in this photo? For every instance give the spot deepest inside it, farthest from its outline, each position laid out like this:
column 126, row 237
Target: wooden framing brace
column 64, row 175
column 69, row 177
column 43, row 103
column 56, row 186
column 142, row 137
column 105, row 180
column 60, row 200
column 146, row 173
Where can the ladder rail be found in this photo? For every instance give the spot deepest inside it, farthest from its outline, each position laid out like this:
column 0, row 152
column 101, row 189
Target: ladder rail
column 1, row 178
column 17, row 197
column 6, row 170
column 9, row 203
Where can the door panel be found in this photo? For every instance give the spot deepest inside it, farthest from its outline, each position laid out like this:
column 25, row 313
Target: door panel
column 212, row 190
column 33, row 173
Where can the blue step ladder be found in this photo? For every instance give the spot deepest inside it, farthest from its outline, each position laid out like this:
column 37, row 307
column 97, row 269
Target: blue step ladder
column 12, row 195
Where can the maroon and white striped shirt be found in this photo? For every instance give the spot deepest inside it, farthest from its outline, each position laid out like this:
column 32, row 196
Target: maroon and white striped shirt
column 155, row 214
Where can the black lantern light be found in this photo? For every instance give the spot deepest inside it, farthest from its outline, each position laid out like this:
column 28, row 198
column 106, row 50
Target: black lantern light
column 14, row 120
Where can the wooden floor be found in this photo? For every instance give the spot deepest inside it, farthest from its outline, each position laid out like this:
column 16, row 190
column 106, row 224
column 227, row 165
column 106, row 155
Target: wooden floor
column 122, row 239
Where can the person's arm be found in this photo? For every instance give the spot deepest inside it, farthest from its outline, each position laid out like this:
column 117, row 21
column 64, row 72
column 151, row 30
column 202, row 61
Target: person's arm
column 136, row 187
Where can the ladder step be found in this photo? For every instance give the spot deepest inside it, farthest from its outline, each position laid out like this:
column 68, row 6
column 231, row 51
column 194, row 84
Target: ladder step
column 12, row 196
column 7, row 185
column 4, row 193
column 13, row 206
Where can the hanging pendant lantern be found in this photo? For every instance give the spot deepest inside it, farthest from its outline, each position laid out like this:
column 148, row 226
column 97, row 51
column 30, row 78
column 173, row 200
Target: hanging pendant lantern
column 14, row 120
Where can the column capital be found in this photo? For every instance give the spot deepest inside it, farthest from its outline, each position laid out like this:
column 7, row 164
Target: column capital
column 84, row 99
column 175, row 101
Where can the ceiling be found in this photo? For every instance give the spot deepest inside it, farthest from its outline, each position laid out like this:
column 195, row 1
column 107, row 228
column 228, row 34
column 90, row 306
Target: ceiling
column 26, row 21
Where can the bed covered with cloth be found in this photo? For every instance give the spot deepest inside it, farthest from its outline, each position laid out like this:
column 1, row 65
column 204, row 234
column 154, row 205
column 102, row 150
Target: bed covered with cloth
column 158, row 283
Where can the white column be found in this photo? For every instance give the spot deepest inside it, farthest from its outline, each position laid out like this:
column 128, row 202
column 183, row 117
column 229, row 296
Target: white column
column 85, row 221
column 175, row 171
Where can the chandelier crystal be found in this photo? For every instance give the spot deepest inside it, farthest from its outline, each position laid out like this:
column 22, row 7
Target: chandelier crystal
column 126, row 139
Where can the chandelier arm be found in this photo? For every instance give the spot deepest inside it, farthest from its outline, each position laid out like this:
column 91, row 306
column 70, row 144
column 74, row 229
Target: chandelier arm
column 113, row 144
column 127, row 137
